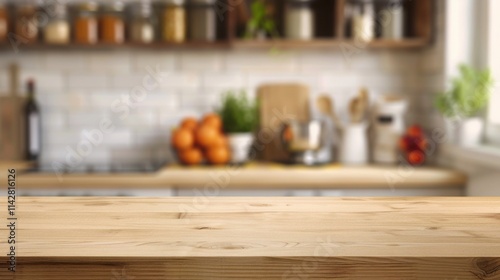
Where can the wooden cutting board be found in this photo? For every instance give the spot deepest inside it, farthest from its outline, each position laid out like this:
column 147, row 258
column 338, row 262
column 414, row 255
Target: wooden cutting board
column 12, row 134
column 279, row 103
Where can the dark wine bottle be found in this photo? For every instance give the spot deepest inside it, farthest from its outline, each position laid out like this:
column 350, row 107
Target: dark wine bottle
column 33, row 125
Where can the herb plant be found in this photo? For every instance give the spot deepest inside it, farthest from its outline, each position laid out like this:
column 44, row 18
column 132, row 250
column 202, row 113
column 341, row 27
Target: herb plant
column 260, row 21
column 238, row 113
column 469, row 94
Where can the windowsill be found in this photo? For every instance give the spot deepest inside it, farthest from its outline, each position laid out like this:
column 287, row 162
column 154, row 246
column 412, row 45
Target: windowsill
column 483, row 155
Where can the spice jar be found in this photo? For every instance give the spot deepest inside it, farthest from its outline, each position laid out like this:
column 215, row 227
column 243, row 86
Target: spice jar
column 393, row 15
column 142, row 27
column 202, row 23
column 363, row 20
column 4, row 22
column 57, row 30
column 111, row 23
column 174, row 21
column 26, row 25
column 85, row 23
column 299, row 19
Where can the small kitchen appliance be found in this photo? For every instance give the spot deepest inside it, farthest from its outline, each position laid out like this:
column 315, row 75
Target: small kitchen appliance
column 304, row 140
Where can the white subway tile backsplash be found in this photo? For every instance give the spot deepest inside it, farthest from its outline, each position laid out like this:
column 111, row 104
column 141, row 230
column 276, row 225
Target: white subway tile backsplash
column 336, row 80
column 201, row 60
column 25, row 59
column 52, row 120
column 224, row 80
column 110, row 62
column 88, row 81
column 118, row 138
column 312, row 62
column 257, row 79
column 180, row 80
column 262, row 61
column 165, row 61
column 127, row 81
column 141, row 119
column 58, row 61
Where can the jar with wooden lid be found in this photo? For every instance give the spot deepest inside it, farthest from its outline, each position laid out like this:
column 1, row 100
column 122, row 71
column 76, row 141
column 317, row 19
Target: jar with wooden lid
column 4, row 22
column 202, row 24
column 85, row 27
column 111, row 23
column 174, row 21
column 26, row 23
column 57, row 29
column 141, row 28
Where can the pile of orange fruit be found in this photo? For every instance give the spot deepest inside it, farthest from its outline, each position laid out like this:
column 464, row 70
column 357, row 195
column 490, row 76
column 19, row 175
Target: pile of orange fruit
column 196, row 141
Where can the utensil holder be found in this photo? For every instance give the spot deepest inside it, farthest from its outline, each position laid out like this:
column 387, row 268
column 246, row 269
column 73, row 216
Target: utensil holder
column 354, row 144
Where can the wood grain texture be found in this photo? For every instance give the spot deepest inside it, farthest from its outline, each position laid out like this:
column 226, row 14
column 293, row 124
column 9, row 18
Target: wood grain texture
column 254, row 175
column 256, row 238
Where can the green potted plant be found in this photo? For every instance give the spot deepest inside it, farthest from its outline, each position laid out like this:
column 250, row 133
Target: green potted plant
column 261, row 23
column 465, row 102
column 240, row 118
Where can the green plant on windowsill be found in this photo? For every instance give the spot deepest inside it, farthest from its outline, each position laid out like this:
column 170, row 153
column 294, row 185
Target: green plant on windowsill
column 468, row 96
column 261, row 23
column 238, row 113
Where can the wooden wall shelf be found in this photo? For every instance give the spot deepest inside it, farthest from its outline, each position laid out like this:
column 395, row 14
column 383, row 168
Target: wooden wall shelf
column 236, row 44
column 331, row 31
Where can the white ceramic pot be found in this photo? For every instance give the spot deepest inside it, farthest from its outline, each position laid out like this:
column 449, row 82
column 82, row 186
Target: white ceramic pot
column 354, row 144
column 240, row 144
column 470, row 132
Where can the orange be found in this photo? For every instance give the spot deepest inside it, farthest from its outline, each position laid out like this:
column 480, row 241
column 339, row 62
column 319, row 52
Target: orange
column 213, row 120
column 191, row 156
column 220, row 141
column 182, row 139
column 218, row 155
column 189, row 123
column 206, row 136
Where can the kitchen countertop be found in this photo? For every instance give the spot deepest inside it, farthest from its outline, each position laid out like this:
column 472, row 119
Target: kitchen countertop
column 254, row 175
column 255, row 238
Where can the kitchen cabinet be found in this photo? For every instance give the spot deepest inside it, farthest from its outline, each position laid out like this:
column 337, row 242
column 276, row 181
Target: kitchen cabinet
column 330, row 23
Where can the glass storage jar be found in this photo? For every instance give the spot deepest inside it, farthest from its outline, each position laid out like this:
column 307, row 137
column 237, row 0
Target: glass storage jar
column 299, row 20
column 174, row 21
column 85, row 23
column 26, row 24
column 57, row 29
column 202, row 24
column 363, row 20
column 4, row 22
column 141, row 29
column 393, row 19
column 111, row 23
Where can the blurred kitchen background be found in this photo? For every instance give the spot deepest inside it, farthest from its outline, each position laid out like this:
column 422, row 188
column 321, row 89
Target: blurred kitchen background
column 91, row 61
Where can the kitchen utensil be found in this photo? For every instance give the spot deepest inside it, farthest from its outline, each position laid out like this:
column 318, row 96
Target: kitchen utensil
column 279, row 103
column 303, row 140
column 389, row 127
column 358, row 106
column 356, row 110
column 12, row 134
column 326, row 106
column 354, row 144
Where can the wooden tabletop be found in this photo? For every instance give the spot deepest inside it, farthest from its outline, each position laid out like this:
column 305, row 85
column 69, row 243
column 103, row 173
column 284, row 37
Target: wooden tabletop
column 259, row 231
column 254, row 175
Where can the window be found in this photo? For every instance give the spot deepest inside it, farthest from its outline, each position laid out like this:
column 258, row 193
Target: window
column 493, row 62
